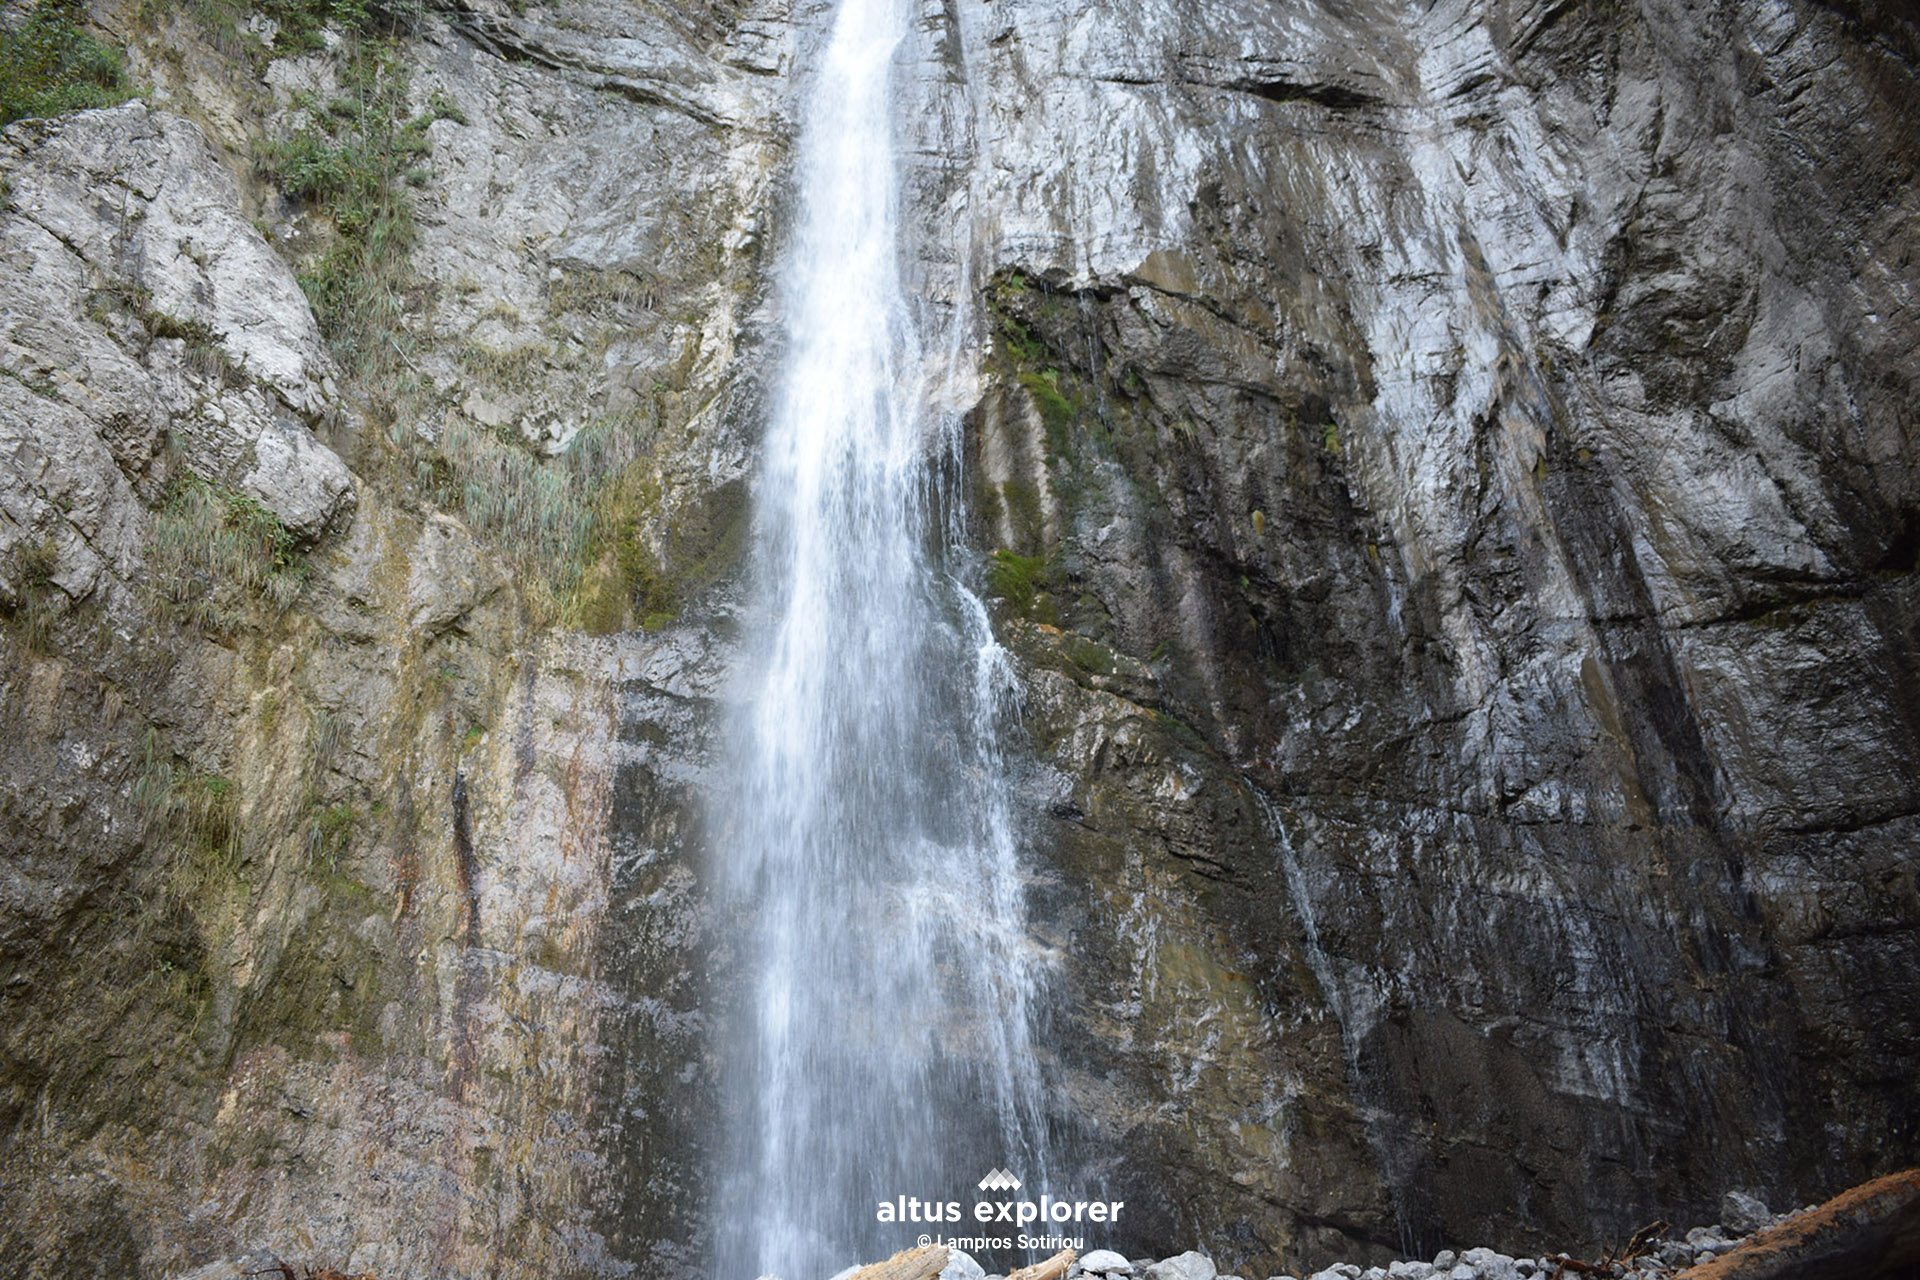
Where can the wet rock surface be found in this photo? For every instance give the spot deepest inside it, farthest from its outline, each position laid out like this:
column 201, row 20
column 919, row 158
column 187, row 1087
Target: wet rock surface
column 1455, row 497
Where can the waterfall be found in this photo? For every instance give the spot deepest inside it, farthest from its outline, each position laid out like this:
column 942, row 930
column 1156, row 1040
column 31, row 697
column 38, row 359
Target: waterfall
column 869, row 858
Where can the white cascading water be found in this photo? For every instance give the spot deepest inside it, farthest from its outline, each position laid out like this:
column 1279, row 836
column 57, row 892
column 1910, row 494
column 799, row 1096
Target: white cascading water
column 884, row 1048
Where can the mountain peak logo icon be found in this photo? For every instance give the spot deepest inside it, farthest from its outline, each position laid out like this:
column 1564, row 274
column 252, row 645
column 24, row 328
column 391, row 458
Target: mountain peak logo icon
column 999, row 1180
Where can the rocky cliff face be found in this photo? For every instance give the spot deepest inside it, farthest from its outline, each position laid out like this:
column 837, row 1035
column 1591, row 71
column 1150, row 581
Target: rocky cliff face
column 1467, row 454
column 1445, row 473
column 334, row 750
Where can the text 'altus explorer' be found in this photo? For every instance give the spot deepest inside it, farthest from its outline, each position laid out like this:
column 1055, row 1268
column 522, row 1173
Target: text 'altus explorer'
column 1019, row 1212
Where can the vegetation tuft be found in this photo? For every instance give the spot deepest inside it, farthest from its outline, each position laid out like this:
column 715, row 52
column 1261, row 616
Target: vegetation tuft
column 36, row 603
column 329, row 825
column 50, row 63
column 330, row 831
column 299, row 26
column 353, row 159
column 200, row 810
column 350, row 160
column 205, row 355
column 1057, row 412
column 1022, row 317
column 216, row 552
column 569, row 523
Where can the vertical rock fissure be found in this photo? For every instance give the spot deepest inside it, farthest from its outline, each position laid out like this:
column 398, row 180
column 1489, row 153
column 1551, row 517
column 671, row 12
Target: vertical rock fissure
column 868, row 861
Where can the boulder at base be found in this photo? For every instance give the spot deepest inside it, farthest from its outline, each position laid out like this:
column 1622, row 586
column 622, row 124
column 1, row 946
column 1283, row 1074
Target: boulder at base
column 1871, row 1232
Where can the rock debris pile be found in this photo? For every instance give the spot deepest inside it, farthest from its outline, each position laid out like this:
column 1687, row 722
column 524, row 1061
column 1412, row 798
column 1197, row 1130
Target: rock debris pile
column 1861, row 1229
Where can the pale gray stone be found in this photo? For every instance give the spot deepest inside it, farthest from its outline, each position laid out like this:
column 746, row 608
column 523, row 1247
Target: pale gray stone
column 122, row 231
column 1743, row 1214
column 1490, row 1265
column 1186, row 1266
column 961, row 1266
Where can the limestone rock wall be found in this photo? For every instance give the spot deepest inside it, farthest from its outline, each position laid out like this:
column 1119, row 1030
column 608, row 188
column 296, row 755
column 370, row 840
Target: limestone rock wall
column 1466, row 454
column 339, row 916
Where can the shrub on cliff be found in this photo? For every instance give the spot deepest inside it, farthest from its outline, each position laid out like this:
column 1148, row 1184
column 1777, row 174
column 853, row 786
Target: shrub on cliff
column 50, row 64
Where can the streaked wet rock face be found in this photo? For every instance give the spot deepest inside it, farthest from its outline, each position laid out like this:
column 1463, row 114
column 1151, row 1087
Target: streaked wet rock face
column 1470, row 472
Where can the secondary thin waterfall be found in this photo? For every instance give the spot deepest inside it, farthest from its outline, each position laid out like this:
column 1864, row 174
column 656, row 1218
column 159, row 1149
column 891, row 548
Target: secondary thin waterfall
column 883, row 1049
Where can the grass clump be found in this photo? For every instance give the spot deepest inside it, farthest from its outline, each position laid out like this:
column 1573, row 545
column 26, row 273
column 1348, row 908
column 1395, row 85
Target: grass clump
column 299, row 26
column 199, row 810
column 50, row 63
column 302, row 22
column 35, row 605
column 205, row 355
column 353, row 159
column 539, row 509
column 600, row 293
column 328, row 823
column 514, row 369
column 585, row 529
column 558, row 518
column 330, row 831
column 217, row 551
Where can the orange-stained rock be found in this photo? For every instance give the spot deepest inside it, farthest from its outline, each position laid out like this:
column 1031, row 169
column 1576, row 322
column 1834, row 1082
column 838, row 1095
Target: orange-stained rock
column 1871, row 1232
column 1052, row 1269
column 923, row 1263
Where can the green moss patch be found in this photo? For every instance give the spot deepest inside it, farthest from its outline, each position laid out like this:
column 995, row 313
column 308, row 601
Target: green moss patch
column 1024, row 584
column 1057, row 413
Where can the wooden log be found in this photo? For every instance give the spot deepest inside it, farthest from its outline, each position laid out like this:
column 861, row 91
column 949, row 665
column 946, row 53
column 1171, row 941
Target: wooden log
column 1052, row 1269
column 924, row 1263
column 1871, row 1232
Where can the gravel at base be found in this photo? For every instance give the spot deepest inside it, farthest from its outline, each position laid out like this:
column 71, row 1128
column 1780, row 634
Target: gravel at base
column 1741, row 1215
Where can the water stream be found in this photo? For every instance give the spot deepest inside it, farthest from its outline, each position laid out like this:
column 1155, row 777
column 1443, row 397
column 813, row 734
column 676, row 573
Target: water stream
column 883, row 1049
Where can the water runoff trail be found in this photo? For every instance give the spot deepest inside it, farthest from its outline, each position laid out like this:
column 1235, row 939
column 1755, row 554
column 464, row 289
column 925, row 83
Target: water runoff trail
column 883, row 1049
